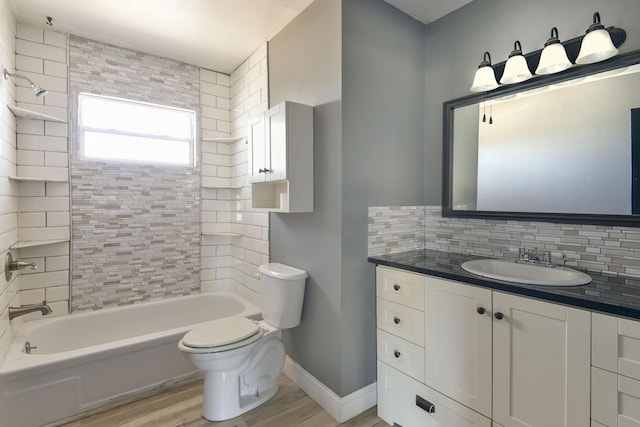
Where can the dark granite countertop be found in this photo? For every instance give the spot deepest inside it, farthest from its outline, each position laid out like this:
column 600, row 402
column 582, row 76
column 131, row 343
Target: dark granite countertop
column 605, row 294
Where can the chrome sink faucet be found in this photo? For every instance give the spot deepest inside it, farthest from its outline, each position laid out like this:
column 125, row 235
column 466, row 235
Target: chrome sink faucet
column 29, row 308
column 532, row 257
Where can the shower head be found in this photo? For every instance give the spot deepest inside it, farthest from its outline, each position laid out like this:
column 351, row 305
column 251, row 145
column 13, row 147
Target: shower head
column 36, row 89
column 39, row 91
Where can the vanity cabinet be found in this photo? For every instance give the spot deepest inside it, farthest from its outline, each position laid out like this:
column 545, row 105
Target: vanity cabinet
column 615, row 371
column 490, row 358
column 281, row 158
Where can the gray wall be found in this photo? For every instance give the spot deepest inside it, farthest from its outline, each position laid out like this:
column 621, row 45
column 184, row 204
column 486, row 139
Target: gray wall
column 368, row 148
column 455, row 45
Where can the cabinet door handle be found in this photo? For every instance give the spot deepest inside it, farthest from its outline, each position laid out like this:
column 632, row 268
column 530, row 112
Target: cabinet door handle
column 481, row 310
column 396, row 287
column 397, row 354
column 425, row 404
column 396, row 320
column 499, row 315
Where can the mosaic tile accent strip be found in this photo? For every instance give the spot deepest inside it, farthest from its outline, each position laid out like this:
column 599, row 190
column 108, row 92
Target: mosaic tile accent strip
column 135, row 228
column 607, row 249
column 395, row 229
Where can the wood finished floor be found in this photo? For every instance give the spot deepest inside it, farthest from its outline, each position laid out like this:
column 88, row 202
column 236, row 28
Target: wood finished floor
column 180, row 407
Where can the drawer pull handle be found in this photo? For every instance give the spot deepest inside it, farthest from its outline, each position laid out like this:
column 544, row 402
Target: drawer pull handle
column 396, row 287
column 396, row 353
column 481, row 310
column 425, row 404
column 499, row 316
column 396, row 320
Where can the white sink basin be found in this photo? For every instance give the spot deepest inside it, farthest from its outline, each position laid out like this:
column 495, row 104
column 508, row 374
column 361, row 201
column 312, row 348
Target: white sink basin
column 530, row 274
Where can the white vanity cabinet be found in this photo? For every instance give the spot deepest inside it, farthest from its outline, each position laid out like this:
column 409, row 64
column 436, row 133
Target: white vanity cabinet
column 615, row 372
column 490, row 359
column 281, row 158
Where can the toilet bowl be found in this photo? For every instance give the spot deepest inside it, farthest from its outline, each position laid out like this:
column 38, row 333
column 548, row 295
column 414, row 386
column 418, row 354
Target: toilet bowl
column 241, row 358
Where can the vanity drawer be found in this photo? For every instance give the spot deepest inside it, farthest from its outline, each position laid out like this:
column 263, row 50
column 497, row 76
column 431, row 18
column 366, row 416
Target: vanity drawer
column 402, row 355
column 397, row 403
column 615, row 399
column 400, row 320
column 400, row 287
column 616, row 345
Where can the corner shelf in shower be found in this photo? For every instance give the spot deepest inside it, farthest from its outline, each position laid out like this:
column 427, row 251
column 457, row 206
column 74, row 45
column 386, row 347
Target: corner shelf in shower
column 23, row 113
column 223, row 234
column 32, row 179
column 225, row 140
column 222, row 183
column 32, row 243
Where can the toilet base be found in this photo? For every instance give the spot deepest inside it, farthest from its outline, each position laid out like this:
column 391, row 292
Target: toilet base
column 228, row 394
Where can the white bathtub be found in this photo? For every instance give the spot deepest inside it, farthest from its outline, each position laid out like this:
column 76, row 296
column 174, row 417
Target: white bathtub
column 89, row 360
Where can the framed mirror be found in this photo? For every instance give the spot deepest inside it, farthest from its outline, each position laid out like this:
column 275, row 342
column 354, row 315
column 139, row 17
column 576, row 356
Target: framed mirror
column 557, row 148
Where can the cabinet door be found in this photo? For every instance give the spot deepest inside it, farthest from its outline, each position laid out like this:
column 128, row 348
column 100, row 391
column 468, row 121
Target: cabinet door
column 541, row 364
column 276, row 149
column 257, row 148
column 458, row 321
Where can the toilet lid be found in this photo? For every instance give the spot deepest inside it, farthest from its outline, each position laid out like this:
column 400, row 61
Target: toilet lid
column 220, row 332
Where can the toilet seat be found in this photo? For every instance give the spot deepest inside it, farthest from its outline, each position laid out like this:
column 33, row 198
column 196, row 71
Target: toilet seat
column 222, row 335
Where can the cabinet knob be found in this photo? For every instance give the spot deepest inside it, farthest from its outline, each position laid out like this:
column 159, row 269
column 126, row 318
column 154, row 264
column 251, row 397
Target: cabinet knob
column 396, row 287
column 481, row 310
column 396, row 353
column 396, row 320
column 499, row 315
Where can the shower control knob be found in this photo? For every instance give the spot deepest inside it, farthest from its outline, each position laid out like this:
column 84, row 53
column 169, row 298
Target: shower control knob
column 396, row 320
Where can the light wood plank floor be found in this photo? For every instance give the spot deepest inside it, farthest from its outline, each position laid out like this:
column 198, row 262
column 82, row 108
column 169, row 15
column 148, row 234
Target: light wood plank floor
column 180, row 407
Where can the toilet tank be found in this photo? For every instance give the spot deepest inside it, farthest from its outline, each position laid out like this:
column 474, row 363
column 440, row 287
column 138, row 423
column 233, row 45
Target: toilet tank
column 281, row 293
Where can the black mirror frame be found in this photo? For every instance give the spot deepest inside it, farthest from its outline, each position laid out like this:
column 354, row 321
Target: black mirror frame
column 619, row 61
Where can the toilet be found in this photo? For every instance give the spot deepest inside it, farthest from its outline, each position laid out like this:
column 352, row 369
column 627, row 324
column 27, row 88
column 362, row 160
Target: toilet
column 243, row 358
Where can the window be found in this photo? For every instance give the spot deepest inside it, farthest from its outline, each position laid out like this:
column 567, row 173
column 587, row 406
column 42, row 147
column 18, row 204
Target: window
column 119, row 129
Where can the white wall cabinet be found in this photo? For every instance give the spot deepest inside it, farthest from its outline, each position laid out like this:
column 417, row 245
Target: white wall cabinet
column 513, row 361
column 281, row 158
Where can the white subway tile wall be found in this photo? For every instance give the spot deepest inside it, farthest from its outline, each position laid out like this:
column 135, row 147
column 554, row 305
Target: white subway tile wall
column 135, row 228
column 235, row 239
column 43, row 207
column 8, row 189
column 607, row 249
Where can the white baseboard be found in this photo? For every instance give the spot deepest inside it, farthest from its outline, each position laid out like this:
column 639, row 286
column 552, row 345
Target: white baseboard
column 340, row 408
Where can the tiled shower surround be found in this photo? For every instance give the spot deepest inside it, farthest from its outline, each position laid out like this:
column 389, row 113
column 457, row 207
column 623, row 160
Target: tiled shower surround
column 607, row 249
column 135, row 231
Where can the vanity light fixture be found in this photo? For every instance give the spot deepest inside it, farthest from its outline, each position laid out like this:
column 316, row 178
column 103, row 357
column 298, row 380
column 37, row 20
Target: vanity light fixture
column 553, row 58
column 485, row 78
column 516, row 69
column 36, row 89
column 596, row 45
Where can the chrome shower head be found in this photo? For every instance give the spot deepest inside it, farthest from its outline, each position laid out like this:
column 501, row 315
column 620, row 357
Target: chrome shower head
column 36, row 89
column 39, row 91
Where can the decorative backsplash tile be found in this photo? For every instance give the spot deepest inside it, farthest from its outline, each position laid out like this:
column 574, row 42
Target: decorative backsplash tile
column 135, row 228
column 608, row 249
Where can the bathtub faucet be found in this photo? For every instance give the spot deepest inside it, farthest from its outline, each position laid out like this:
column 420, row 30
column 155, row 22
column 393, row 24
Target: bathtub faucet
column 19, row 265
column 29, row 308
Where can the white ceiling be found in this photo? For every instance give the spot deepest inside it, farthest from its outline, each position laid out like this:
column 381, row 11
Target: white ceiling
column 214, row 34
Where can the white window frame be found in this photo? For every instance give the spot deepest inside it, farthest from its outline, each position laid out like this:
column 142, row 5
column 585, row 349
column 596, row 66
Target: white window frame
column 191, row 140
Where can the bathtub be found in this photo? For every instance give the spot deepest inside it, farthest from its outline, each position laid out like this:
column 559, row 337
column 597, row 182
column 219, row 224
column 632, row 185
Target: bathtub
column 95, row 359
